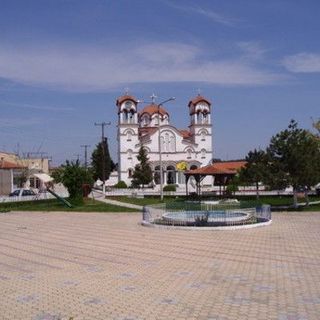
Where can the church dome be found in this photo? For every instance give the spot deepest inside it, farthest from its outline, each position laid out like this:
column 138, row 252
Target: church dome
column 126, row 97
column 153, row 109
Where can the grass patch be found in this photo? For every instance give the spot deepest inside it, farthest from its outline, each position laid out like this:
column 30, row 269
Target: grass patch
column 146, row 200
column 245, row 201
column 315, row 207
column 89, row 205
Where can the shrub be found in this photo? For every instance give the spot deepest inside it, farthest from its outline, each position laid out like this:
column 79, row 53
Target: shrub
column 170, row 187
column 121, row 185
column 73, row 176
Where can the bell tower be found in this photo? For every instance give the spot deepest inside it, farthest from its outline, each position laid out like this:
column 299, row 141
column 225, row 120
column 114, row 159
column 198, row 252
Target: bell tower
column 201, row 127
column 128, row 138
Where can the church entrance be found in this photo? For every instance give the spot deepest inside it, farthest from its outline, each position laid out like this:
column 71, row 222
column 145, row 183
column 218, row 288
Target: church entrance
column 171, row 175
column 156, row 175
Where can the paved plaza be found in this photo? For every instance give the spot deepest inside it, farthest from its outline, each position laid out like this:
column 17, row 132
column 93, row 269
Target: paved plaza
column 106, row 266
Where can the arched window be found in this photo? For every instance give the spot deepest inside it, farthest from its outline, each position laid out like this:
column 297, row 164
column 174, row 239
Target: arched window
column 129, row 136
column 131, row 116
column 125, row 116
column 130, row 173
column 162, row 144
column 189, row 153
column 166, row 139
column 146, row 121
column 156, row 175
column 205, row 117
column 203, row 135
column 193, row 167
column 129, row 154
column 203, row 153
column 173, row 143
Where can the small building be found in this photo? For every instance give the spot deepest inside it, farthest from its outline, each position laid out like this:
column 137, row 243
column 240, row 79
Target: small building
column 27, row 166
column 10, row 176
column 221, row 172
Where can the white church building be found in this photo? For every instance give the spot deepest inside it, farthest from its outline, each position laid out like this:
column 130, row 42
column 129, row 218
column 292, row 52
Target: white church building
column 141, row 127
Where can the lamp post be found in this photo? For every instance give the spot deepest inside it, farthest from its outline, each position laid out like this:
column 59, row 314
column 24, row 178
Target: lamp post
column 159, row 145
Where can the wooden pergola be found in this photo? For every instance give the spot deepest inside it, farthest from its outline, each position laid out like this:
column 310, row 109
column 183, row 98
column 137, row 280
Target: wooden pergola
column 222, row 171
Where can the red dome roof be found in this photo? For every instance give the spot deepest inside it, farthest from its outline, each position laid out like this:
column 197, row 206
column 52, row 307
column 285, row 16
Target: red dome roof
column 121, row 99
column 198, row 99
column 152, row 109
column 192, row 103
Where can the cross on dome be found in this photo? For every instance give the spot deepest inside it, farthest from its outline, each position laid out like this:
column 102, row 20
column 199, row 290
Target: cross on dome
column 153, row 98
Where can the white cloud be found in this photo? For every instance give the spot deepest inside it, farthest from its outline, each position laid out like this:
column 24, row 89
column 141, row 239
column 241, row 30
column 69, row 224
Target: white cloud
column 82, row 68
column 210, row 14
column 302, row 62
column 252, row 49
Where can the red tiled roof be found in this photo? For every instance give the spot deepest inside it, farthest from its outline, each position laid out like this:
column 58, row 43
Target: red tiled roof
column 195, row 101
column 226, row 167
column 152, row 109
column 125, row 97
column 198, row 99
column 10, row 165
column 185, row 133
column 147, row 130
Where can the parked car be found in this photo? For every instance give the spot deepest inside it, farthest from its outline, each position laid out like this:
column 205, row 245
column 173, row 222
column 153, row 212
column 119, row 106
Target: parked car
column 22, row 193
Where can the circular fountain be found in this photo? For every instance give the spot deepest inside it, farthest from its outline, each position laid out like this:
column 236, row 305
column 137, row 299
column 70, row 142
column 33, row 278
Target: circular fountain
column 206, row 215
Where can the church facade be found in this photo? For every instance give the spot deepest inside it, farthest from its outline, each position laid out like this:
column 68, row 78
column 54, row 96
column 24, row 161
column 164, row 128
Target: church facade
column 151, row 127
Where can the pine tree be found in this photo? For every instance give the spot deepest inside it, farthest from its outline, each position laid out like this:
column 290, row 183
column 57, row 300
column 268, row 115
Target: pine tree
column 97, row 158
column 142, row 174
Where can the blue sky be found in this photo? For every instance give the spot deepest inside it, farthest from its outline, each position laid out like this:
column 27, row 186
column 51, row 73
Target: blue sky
column 64, row 63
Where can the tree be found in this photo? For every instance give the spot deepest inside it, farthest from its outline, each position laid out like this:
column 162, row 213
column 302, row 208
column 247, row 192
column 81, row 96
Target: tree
column 97, row 161
column 142, row 174
column 294, row 158
column 316, row 126
column 255, row 169
column 233, row 185
column 73, row 176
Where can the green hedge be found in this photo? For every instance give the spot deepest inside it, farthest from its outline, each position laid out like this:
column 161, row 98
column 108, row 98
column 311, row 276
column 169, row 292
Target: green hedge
column 170, row 187
column 121, row 185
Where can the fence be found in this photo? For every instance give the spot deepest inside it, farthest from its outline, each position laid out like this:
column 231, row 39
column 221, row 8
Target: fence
column 38, row 196
column 201, row 214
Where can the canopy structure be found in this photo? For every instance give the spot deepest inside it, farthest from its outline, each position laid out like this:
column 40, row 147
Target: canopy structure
column 43, row 177
column 223, row 172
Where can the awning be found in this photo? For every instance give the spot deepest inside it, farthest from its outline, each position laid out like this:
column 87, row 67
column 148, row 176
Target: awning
column 43, row 177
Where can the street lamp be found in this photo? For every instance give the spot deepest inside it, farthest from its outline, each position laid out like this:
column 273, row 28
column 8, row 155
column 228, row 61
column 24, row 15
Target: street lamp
column 159, row 145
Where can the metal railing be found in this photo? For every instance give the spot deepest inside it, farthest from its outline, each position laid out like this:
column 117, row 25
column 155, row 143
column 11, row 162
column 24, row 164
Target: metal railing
column 199, row 214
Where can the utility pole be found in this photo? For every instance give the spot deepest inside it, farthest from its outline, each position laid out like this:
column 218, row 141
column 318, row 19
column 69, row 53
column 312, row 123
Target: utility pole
column 85, row 146
column 103, row 124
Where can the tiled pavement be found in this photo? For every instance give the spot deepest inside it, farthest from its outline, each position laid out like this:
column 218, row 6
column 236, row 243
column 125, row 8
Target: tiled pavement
column 106, row 266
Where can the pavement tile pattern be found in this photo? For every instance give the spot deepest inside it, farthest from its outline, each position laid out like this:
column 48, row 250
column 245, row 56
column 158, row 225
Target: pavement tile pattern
column 77, row 266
